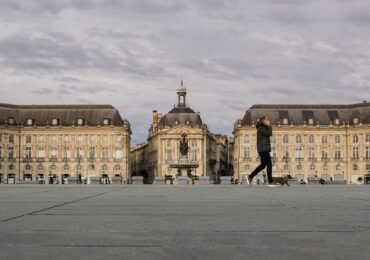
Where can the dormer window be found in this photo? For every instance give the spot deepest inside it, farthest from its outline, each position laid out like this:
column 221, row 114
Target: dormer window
column 188, row 122
column 80, row 121
column 54, row 121
column 176, row 122
column 356, row 120
column 11, row 121
column 29, row 121
column 310, row 121
column 105, row 121
column 336, row 121
column 285, row 121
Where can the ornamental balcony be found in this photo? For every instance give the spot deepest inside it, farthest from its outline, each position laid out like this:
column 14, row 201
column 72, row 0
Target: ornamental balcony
column 27, row 159
column 53, row 159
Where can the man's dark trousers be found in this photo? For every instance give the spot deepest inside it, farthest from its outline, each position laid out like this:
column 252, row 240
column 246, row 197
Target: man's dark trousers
column 265, row 161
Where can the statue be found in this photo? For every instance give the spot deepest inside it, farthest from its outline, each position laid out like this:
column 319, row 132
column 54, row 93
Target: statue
column 184, row 147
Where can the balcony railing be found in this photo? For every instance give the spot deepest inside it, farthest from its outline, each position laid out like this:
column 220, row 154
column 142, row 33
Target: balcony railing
column 40, row 159
column 104, row 159
column 312, row 159
column 247, row 159
column 27, row 159
column 53, row 159
column 117, row 159
column 11, row 159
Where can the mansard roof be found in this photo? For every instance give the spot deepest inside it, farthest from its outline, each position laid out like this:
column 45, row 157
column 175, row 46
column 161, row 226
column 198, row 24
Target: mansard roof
column 181, row 116
column 65, row 114
column 324, row 114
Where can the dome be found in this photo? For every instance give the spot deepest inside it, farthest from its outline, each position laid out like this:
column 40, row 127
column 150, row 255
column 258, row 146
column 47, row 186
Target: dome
column 181, row 116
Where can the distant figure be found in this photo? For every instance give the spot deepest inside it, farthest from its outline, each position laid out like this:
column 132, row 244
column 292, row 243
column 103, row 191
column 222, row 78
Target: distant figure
column 264, row 131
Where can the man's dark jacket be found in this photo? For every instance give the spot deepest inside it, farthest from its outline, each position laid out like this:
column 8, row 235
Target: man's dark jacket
column 263, row 137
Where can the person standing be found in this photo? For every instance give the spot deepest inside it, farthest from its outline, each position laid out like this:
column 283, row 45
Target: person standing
column 264, row 131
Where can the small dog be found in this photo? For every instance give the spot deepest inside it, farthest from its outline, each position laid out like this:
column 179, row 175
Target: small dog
column 282, row 180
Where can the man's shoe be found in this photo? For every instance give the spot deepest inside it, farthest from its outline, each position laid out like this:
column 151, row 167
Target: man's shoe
column 249, row 181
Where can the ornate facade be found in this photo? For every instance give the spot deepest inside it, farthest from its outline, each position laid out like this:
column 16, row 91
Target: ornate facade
column 50, row 143
column 160, row 155
column 328, row 141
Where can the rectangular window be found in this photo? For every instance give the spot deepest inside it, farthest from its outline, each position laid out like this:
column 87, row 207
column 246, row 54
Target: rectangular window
column 53, row 153
column 298, row 153
column 367, row 138
column 28, row 153
column 28, row 139
column 169, row 155
column 194, row 142
column 194, row 155
column 355, row 153
column 311, row 153
column 311, row 139
column 79, row 153
column 92, row 153
column 79, row 139
column 67, row 139
column 286, row 153
column 66, row 153
column 367, row 152
column 324, row 154
column 105, row 153
column 41, row 139
column 118, row 153
column 246, row 153
column 1, row 137
column 337, row 154
column 285, row 139
column 246, row 139
column 324, row 139
column 1, row 152
column 273, row 152
column 105, row 139
column 41, row 152
column 168, row 143
column 11, row 139
column 92, row 139
column 337, row 139
column 298, row 139
column 10, row 152
column 53, row 139
column 272, row 139
column 117, row 139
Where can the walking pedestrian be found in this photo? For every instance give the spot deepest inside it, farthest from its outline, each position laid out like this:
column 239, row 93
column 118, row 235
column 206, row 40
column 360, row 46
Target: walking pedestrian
column 264, row 131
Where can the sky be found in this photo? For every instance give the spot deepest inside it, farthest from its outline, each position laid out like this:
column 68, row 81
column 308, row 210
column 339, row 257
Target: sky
column 231, row 54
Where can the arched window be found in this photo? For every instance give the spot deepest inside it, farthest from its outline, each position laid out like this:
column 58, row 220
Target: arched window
column 54, row 121
column 310, row 121
column 29, row 121
column 80, row 121
column 336, row 121
column 11, row 121
column 356, row 120
column 285, row 121
column 105, row 121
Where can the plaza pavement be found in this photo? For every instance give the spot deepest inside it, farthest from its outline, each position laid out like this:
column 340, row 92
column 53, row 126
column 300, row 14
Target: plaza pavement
column 184, row 222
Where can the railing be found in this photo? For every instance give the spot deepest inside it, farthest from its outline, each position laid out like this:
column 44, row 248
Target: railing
column 53, row 159
column 40, row 159
column 27, row 159
column 312, row 159
column 117, row 160
column 104, row 159
column 247, row 159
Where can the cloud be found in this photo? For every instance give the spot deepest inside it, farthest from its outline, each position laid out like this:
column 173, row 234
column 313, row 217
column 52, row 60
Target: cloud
column 231, row 54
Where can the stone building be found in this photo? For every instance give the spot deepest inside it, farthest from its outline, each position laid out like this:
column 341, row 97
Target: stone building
column 51, row 143
column 161, row 156
column 327, row 141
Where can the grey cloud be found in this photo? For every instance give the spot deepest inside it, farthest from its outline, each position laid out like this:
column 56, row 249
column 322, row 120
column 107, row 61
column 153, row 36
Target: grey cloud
column 231, row 54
